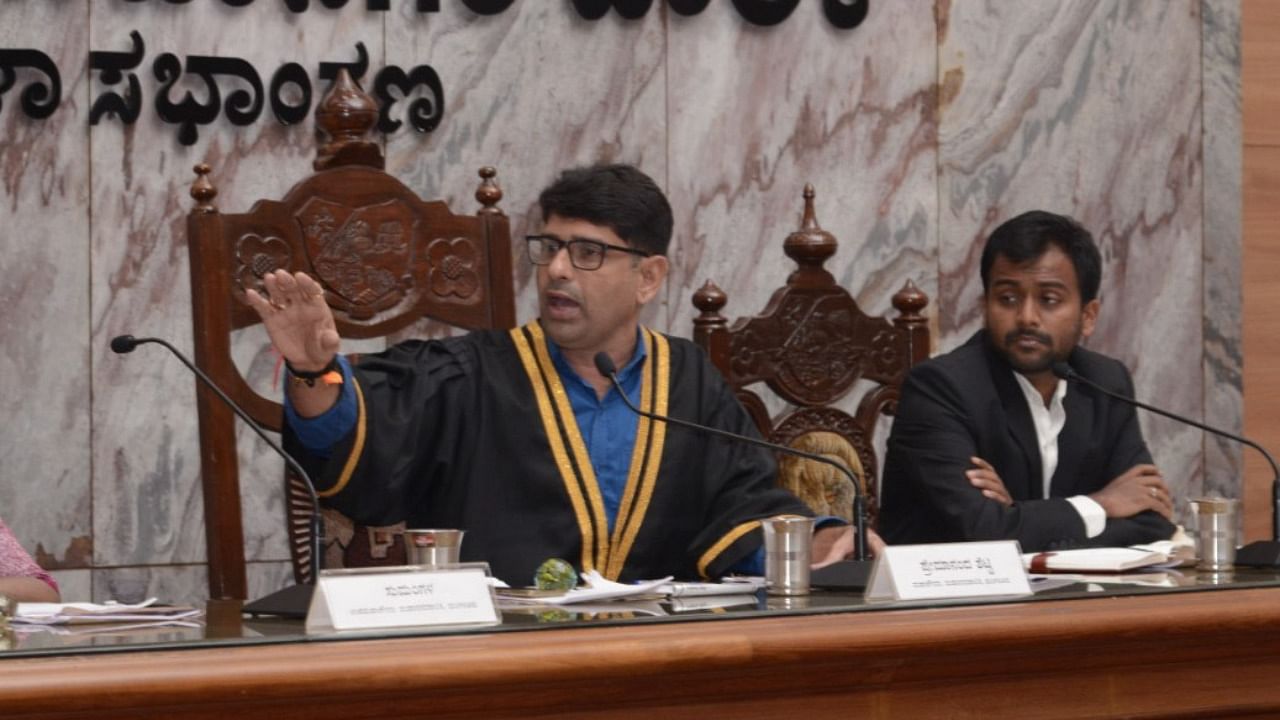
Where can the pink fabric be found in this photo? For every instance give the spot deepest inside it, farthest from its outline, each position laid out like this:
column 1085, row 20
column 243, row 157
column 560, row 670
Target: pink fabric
column 15, row 562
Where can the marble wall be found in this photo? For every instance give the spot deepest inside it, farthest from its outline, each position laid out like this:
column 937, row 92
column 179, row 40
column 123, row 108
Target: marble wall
column 922, row 129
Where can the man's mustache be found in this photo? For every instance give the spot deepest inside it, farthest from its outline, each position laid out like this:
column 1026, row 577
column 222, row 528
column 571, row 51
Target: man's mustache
column 565, row 289
column 1014, row 335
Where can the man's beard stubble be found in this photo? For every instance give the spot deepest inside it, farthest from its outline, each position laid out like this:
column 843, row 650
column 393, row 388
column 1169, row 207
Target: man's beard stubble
column 1045, row 361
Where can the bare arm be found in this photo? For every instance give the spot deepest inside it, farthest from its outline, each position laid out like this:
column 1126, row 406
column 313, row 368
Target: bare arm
column 27, row 589
column 302, row 328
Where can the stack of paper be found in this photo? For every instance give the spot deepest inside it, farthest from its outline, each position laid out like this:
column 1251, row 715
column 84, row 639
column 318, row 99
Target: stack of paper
column 47, row 614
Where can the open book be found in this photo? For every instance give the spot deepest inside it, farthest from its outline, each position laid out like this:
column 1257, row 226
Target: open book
column 1094, row 560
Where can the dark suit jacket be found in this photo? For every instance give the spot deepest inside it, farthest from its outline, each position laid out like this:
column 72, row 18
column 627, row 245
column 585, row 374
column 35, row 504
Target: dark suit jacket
column 968, row 403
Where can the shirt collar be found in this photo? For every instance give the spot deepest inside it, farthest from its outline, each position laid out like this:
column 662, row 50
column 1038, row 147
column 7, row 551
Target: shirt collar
column 632, row 367
column 1034, row 398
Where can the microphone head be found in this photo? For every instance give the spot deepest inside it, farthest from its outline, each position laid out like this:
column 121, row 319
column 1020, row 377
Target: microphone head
column 122, row 344
column 604, row 364
column 1063, row 370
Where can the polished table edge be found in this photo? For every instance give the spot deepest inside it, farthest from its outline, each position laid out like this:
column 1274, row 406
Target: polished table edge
column 1186, row 655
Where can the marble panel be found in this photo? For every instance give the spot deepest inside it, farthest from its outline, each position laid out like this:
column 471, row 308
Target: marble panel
column 1092, row 109
column 74, row 585
column 179, row 584
column 265, row 578
column 754, row 115
column 1223, row 329
column 174, row 584
column 45, row 488
column 147, row 500
column 531, row 91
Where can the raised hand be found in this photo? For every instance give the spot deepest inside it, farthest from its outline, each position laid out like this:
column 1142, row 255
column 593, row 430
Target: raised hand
column 297, row 319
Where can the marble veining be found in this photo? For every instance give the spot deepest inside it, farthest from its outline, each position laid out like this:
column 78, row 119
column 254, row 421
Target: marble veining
column 1223, row 405
column 45, row 363
column 1093, row 110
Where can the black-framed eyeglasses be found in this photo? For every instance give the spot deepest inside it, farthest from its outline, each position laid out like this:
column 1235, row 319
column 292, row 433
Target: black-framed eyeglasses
column 583, row 253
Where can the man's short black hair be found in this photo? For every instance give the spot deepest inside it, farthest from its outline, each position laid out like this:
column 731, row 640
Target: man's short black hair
column 618, row 197
column 1029, row 235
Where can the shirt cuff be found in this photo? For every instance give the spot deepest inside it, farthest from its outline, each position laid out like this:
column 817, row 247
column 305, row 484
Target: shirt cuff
column 320, row 433
column 822, row 521
column 1094, row 517
column 752, row 564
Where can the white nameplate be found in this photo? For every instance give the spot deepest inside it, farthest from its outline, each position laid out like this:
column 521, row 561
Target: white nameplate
column 401, row 597
column 948, row 570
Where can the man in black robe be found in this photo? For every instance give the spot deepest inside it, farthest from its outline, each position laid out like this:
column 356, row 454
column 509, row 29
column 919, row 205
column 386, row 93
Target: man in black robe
column 988, row 443
column 516, row 437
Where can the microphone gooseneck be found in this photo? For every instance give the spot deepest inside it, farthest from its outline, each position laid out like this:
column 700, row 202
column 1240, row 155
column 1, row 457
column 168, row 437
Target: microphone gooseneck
column 1066, row 372
column 127, row 343
column 604, row 364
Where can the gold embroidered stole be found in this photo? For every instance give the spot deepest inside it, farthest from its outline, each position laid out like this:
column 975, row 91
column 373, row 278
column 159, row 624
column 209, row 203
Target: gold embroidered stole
column 600, row 551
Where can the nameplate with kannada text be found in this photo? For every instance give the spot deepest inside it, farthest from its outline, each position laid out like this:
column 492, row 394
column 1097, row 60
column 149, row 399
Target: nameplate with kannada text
column 948, row 570
column 409, row 596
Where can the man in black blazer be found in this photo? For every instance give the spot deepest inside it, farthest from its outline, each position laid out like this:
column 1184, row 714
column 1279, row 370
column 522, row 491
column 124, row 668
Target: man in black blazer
column 988, row 444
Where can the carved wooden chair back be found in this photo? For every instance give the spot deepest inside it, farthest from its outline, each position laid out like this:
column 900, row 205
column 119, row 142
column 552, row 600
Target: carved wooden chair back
column 386, row 259
column 810, row 346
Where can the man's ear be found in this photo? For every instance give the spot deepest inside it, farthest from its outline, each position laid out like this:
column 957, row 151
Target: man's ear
column 653, row 270
column 1089, row 317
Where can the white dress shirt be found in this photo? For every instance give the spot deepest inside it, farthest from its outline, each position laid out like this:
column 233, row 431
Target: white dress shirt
column 1048, row 421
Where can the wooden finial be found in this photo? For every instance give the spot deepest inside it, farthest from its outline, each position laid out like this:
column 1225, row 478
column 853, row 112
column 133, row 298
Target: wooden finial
column 345, row 115
column 809, row 221
column 709, row 326
column 203, row 191
column 710, row 299
column 488, row 193
column 910, row 301
column 810, row 245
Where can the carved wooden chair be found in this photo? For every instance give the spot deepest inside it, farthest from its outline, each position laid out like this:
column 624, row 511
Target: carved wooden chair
column 810, row 347
column 386, row 259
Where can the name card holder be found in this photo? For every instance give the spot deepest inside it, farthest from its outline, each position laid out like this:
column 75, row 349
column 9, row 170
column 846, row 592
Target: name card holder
column 402, row 596
column 948, row 570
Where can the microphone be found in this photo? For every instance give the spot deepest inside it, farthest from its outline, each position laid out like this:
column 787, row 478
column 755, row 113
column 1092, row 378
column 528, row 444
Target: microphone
column 1264, row 553
column 292, row 601
column 861, row 568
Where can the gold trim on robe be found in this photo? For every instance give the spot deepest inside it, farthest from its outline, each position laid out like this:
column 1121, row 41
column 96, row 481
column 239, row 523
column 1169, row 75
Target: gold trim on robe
column 541, row 378
column 646, row 458
column 599, row 551
column 723, row 543
column 357, row 446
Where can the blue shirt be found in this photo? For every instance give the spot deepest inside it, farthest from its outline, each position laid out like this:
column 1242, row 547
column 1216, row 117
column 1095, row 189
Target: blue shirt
column 607, row 425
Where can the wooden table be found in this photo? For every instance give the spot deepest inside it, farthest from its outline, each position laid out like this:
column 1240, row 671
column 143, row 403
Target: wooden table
column 1206, row 654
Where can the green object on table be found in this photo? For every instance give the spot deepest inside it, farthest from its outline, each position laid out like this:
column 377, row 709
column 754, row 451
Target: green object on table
column 555, row 574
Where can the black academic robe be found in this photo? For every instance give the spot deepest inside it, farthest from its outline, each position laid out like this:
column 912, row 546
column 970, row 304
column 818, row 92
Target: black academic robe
column 967, row 403
column 476, row 432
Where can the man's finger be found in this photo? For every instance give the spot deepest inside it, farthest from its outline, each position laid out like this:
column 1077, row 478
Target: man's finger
column 1159, row 501
column 998, row 497
column 307, row 286
column 256, row 301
